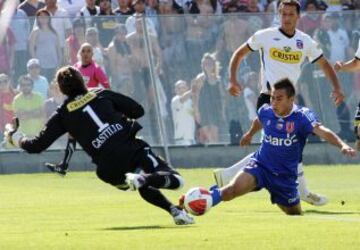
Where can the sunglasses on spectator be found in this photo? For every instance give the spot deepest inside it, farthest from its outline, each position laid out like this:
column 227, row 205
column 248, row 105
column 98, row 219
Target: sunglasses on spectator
column 26, row 84
column 34, row 67
column 4, row 81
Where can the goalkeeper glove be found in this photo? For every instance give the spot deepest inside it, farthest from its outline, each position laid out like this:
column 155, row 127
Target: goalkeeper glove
column 11, row 133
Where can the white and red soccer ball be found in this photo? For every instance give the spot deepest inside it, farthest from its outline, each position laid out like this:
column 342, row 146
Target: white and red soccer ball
column 197, row 201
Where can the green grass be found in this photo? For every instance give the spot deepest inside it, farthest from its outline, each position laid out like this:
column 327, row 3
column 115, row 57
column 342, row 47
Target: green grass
column 44, row 211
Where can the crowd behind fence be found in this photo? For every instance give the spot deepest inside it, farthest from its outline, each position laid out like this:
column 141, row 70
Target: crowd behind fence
column 176, row 67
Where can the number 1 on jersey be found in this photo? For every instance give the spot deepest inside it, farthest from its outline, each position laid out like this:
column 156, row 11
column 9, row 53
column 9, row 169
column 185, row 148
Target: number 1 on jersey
column 95, row 118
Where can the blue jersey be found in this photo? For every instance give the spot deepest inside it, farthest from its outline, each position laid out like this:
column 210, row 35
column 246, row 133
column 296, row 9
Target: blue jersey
column 284, row 139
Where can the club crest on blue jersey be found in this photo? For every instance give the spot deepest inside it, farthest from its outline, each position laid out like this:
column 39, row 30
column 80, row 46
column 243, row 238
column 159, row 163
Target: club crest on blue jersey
column 299, row 44
column 290, row 126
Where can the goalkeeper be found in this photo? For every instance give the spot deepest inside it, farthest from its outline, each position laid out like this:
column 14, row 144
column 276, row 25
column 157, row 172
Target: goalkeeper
column 102, row 122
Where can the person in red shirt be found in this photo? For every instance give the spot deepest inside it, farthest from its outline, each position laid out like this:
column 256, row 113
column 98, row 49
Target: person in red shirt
column 6, row 98
column 94, row 76
column 7, row 52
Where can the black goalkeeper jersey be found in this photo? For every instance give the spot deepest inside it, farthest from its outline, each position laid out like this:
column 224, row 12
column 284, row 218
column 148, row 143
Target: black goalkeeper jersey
column 99, row 120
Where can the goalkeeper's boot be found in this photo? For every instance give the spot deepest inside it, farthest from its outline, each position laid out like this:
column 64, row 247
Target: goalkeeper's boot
column 181, row 217
column 218, row 176
column 135, row 181
column 315, row 199
column 57, row 168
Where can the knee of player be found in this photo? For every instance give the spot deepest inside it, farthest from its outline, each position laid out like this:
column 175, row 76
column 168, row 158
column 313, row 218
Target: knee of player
column 181, row 181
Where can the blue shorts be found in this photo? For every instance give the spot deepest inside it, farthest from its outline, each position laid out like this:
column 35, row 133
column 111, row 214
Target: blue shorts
column 282, row 189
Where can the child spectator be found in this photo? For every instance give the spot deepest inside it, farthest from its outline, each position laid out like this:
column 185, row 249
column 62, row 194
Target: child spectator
column 183, row 114
column 41, row 84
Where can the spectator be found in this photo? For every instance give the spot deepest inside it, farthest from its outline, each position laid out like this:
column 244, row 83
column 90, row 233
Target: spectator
column 7, row 52
column 60, row 22
column 339, row 40
column 208, row 100
column 253, row 6
column 74, row 41
column 151, row 11
column 55, row 99
column 139, row 8
column 251, row 82
column 41, row 84
column 88, row 11
column 20, row 26
column 29, row 107
column 183, row 114
column 232, row 33
column 6, row 98
column 172, row 43
column 44, row 44
column 105, row 23
column 72, row 7
column 145, row 92
column 120, row 60
column 311, row 20
column 92, row 37
column 321, row 35
column 200, row 34
column 123, row 11
column 30, row 7
column 92, row 73
column 51, row 105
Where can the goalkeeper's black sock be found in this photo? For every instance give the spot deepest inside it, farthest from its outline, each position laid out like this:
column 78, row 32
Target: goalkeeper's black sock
column 155, row 197
column 163, row 180
column 69, row 150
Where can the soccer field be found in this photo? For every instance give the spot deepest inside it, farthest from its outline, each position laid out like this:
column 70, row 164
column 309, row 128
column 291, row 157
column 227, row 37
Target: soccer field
column 45, row 211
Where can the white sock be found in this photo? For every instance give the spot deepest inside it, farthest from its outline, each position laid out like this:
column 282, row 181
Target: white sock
column 229, row 173
column 302, row 188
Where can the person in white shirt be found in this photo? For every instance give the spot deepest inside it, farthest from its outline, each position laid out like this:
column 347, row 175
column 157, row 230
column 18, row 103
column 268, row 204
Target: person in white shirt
column 339, row 40
column 88, row 11
column 283, row 50
column 72, row 6
column 183, row 114
column 60, row 21
column 351, row 66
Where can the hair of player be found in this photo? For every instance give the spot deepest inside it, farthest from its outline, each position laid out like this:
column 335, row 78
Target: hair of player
column 287, row 85
column 290, row 3
column 70, row 81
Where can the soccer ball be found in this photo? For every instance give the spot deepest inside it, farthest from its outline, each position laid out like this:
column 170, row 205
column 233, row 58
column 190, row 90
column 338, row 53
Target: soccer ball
column 197, row 201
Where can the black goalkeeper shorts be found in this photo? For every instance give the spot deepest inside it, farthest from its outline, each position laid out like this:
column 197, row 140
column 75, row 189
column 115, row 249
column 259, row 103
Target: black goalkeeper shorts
column 113, row 167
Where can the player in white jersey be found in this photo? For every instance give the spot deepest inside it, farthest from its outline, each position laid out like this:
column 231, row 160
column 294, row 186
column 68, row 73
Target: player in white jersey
column 282, row 50
column 350, row 66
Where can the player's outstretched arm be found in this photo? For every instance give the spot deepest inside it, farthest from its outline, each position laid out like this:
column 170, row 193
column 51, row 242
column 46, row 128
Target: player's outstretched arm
column 235, row 87
column 247, row 137
column 337, row 93
column 349, row 66
column 328, row 135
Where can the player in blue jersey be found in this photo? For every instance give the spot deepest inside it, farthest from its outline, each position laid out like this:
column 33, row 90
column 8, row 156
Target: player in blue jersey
column 274, row 165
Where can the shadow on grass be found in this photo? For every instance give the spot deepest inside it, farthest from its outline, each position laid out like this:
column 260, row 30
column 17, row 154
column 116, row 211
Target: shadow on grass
column 151, row 227
column 312, row 211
